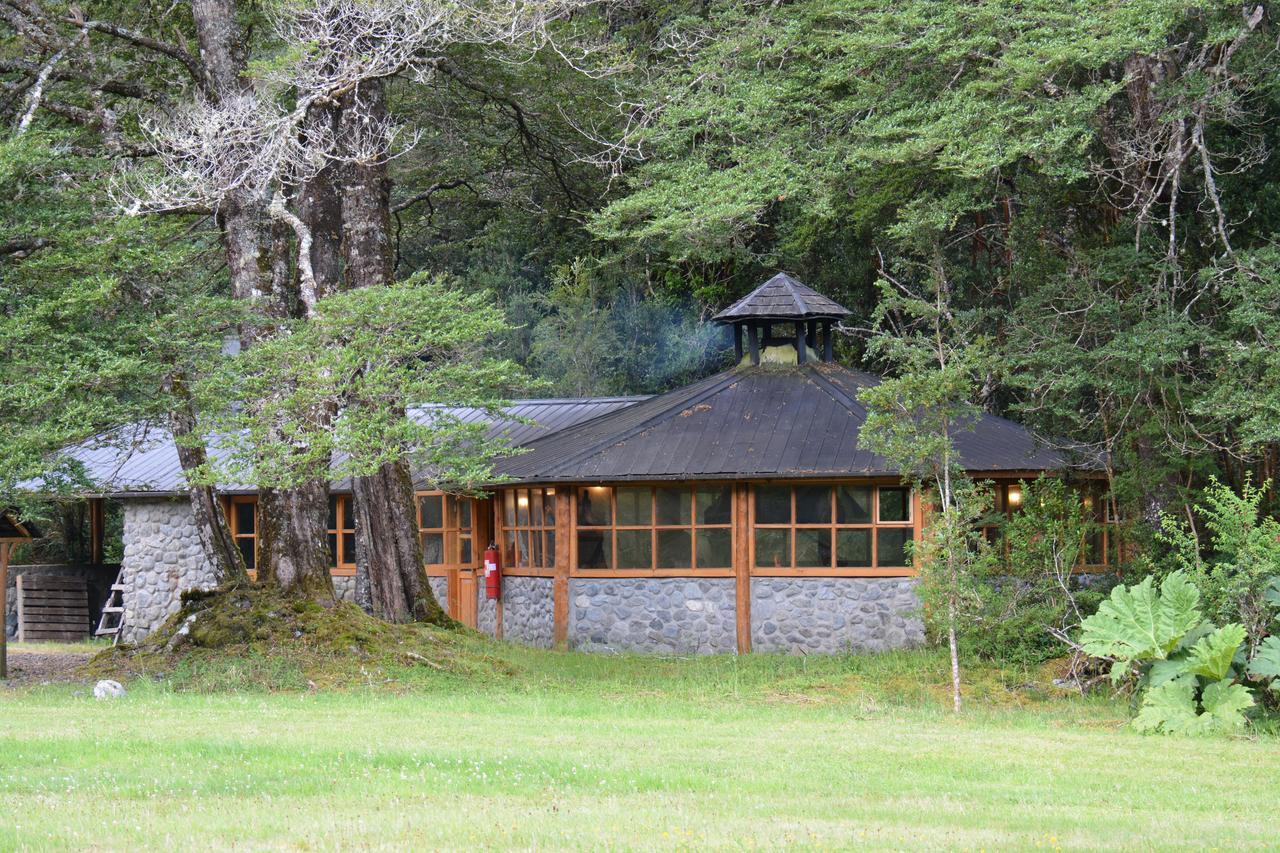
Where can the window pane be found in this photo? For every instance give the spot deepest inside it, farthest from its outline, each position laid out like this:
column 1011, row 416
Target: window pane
column 891, row 549
column 813, row 546
column 333, row 549
column 813, row 504
column 509, row 507
column 508, row 548
column 714, row 549
column 549, row 507
column 550, row 551
column 1093, row 548
column 674, row 507
column 773, row 505
column 635, row 549
column 464, row 550
column 535, row 508
column 894, row 505
column 245, row 518
column 464, row 513
column 773, row 548
column 853, row 504
column 247, row 551
column 593, row 506
column 715, row 505
column 522, row 508
column 522, row 548
column 431, row 509
column 853, row 549
column 333, row 513
column 593, row 549
column 433, row 549
column 675, row 549
column 634, row 507
column 535, row 540
column 348, row 548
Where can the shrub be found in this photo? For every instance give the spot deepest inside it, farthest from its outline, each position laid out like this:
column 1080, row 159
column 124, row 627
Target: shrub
column 1186, row 669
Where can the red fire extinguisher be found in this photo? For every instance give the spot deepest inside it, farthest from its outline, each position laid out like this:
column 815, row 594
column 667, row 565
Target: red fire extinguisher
column 492, row 572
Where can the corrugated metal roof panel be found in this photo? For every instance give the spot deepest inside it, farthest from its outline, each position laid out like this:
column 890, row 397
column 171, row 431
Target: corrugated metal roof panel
column 761, row 422
column 142, row 458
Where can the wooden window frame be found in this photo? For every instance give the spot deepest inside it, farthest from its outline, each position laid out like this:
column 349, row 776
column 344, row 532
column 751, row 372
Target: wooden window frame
column 875, row 525
column 341, row 563
column 653, row 570
column 230, row 502
column 453, row 533
column 512, row 528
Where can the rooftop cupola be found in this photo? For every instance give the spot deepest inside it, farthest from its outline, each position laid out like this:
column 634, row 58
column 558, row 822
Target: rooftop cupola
column 784, row 305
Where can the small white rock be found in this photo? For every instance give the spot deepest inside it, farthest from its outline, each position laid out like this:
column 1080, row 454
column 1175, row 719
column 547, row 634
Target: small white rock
column 107, row 689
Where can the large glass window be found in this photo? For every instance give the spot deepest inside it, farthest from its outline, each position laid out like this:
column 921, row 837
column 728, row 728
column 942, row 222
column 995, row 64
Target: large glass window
column 445, row 526
column 342, row 533
column 655, row 527
column 529, row 528
column 832, row 527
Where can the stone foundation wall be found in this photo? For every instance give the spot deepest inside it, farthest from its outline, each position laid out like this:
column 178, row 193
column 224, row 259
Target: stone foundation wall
column 345, row 587
column 827, row 615
column 528, row 611
column 664, row 615
column 440, row 589
column 486, row 610
column 162, row 559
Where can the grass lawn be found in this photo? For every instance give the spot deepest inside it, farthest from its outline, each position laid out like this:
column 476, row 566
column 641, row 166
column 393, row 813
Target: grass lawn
column 590, row 752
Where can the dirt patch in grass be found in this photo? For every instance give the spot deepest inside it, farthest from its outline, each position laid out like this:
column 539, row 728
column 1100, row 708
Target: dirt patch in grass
column 256, row 639
column 45, row 667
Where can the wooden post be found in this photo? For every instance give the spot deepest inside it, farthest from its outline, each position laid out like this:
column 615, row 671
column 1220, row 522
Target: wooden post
column 96, row 519
column 811, row 336
column 737, row 342
column 564, row 556
column 826, row 342
column 4, row 609
column 802, row 352
column 753, row 343
column 742, row 564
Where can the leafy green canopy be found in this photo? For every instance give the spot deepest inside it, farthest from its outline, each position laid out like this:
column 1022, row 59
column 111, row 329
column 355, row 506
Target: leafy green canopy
column 327, row 396
column 97, row 311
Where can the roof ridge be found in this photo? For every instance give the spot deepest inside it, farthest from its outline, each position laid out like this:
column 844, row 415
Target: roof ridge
column 790, row 283
column 713, row 387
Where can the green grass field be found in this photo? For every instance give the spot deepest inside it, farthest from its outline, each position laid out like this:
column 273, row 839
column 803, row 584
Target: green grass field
column 583, row 752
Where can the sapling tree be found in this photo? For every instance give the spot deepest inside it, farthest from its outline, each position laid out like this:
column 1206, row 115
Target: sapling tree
column 913, row 419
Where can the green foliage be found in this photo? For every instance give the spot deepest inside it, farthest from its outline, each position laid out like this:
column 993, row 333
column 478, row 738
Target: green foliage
column 1034, row 589
column 1239, row 572
column 1187, row 667
column 98, row 312
column 1265, row 666
column 329, row 395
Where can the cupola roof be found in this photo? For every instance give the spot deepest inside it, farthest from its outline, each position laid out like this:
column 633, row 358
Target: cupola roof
column 782, row 298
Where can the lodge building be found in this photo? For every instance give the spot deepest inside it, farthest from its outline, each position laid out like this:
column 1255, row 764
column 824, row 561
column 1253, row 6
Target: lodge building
column 735, row 514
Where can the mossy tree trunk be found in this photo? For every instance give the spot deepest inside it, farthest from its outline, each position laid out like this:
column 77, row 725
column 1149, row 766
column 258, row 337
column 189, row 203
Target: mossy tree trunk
column 391, row 580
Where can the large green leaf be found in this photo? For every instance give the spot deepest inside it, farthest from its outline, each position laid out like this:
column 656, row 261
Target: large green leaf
column 1171, row 707
column 1211, row 656
column 1223, row 703
column 1137, row 623
column 1266, row 663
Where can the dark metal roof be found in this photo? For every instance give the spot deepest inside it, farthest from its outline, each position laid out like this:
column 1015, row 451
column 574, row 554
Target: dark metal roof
column 139, row 458
column 782, row 298
column 755, row 423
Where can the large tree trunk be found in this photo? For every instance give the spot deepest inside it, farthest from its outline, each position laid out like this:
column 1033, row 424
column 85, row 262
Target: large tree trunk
column 211, row 522
column 293, row 522
column 391, row 580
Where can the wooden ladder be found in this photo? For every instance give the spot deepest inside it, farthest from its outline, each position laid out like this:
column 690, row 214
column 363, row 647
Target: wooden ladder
column 112, row 610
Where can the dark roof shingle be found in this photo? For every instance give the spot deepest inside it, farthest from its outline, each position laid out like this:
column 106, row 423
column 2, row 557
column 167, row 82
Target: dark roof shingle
column 782, row 298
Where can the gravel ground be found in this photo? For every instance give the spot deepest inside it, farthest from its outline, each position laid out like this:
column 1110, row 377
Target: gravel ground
column 43, row 667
